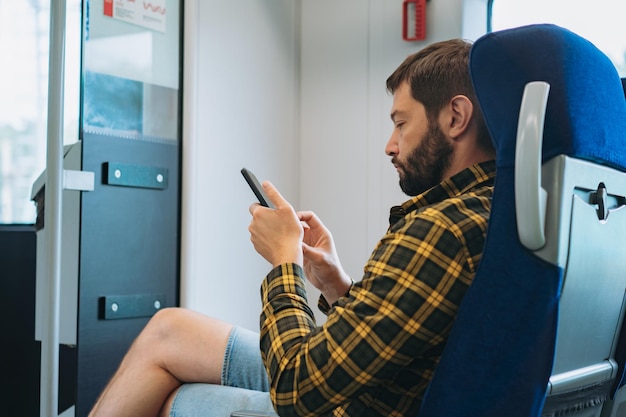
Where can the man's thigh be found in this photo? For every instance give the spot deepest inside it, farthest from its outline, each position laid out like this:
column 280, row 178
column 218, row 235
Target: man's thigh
column 206, row 400
column 244, row 383
column 243, row 366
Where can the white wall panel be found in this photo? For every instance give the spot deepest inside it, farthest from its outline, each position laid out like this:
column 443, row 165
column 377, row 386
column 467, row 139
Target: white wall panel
column 243, row 93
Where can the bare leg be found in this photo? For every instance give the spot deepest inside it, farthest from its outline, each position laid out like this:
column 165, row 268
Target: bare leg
column 176, row 346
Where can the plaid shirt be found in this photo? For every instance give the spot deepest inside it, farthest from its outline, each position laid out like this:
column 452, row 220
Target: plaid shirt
column 378, row 349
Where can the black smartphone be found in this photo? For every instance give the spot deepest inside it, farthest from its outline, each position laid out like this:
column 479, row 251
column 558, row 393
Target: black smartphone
column 256, row 188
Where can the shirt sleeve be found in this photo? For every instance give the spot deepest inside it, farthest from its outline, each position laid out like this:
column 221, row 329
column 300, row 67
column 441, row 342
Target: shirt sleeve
column 404, row 305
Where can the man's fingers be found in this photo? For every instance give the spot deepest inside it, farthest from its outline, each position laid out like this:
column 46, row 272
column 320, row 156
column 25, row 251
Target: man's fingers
column 275, row 197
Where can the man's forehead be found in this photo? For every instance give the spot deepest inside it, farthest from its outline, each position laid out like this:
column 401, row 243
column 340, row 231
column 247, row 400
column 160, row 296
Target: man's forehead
column 403, row 102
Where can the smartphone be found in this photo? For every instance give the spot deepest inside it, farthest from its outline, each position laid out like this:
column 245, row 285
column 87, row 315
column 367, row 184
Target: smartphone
column 256, row 188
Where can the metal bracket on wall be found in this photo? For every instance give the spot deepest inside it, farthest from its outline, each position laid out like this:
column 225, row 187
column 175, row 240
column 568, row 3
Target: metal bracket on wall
column 126, row 175
column 114, row 307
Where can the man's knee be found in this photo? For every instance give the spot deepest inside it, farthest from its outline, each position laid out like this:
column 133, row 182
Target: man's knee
column 164, row 325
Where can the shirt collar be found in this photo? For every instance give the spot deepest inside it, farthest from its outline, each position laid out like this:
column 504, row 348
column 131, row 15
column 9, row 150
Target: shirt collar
column 479, row 175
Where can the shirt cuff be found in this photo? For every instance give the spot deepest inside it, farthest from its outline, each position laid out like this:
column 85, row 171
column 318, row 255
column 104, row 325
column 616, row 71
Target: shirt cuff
column 323, row 305
column 285, row 278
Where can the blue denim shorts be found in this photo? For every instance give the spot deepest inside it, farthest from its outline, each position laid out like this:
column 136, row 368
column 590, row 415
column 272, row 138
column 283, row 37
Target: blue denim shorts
column 244, row 383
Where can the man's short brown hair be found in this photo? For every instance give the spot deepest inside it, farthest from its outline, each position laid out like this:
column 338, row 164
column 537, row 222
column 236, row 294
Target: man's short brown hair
column 436, row 74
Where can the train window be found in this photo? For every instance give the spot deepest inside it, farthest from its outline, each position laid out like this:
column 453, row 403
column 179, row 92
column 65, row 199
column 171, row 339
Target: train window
column 600, row 21
column 24, row 31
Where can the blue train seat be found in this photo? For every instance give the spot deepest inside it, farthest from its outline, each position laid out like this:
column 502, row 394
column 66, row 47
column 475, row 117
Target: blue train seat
column 538, row 332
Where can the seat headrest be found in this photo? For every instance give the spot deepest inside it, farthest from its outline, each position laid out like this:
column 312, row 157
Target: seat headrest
column 586, row 110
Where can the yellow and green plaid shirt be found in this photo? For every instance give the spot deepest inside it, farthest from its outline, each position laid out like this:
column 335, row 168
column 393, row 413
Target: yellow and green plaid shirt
column 378, row 349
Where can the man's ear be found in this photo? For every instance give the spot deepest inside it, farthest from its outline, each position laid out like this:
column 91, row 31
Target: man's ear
column 459, row 115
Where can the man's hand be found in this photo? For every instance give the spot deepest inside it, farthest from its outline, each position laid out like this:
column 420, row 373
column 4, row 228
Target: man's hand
column 321, row 263
column 276, row 234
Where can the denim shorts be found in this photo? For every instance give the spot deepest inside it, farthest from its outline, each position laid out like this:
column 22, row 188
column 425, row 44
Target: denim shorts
column 244, row 383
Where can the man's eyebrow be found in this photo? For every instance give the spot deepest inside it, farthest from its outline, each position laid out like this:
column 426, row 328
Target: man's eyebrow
column 396, row 113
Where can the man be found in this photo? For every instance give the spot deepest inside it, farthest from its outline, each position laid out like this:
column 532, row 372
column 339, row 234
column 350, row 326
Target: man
column 377, row 352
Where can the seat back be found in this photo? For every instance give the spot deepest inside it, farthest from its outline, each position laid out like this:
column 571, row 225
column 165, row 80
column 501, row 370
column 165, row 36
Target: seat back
column 544, row 312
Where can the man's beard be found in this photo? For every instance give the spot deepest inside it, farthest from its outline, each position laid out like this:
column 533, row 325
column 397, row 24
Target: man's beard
column 425, row 166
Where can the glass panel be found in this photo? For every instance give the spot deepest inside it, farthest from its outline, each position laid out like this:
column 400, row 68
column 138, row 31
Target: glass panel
column 131, row 69
column 24, row 35
column 600, row 21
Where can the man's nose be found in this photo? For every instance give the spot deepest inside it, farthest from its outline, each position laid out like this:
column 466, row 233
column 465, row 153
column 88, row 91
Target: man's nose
column 391, row 148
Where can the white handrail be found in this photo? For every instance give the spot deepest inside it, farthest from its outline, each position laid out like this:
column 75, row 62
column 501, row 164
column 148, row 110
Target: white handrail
column 54, row 204
column 530, row 198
